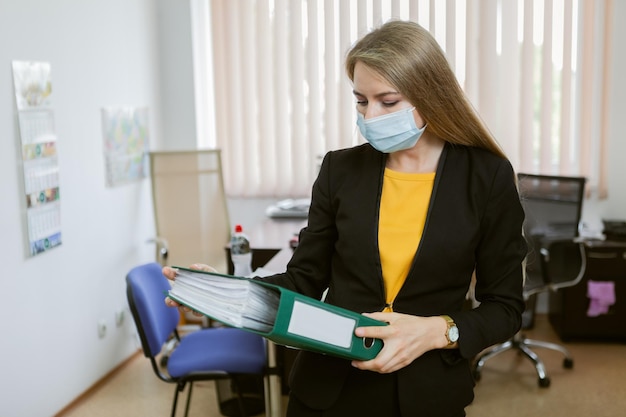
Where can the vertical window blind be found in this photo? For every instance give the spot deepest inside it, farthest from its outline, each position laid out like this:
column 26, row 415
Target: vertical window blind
column 273, row 95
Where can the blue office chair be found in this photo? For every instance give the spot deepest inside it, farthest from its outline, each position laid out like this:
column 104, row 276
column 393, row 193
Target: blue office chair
column 208, row 354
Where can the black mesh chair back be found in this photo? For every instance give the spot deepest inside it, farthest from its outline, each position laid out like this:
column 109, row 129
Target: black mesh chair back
column 556, row 258
column 552, row 204
column 553, row 208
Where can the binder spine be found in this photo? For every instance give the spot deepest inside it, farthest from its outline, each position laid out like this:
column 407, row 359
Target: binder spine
column 356, row 348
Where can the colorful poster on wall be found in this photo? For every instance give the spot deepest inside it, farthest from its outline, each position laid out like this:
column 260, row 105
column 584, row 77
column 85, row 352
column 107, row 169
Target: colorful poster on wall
column 125, row 132
column 33, row 98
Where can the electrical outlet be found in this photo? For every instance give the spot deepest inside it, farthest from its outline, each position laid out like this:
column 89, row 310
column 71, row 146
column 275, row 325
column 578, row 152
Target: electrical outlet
column 119, row 318
column 102, row 329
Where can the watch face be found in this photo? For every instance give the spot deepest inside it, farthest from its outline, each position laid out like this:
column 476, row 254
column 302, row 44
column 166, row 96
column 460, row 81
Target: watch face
column 453, row 334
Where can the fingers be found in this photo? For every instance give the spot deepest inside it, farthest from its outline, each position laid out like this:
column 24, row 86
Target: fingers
column 169, row 272
column 203, row 267
column 386, row 317
column 171, row 303
column 375, row 332
column 383, row 363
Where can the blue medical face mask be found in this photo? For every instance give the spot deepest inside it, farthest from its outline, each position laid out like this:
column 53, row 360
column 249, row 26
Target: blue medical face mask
column 391, row 132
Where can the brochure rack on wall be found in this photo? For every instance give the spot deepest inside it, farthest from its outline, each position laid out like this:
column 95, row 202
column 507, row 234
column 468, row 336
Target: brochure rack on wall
column 33, row 98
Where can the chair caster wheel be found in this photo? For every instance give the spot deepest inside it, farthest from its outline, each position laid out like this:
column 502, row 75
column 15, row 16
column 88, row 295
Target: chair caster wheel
column 544, row 383
column 568, row 363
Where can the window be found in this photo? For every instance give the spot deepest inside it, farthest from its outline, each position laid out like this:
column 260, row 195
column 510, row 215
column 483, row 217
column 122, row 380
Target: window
column 273, row 95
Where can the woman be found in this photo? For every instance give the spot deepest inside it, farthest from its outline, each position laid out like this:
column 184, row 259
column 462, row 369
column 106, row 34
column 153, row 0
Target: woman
column 397, row 227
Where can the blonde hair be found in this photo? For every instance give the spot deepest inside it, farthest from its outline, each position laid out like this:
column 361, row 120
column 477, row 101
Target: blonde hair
column 408, row 57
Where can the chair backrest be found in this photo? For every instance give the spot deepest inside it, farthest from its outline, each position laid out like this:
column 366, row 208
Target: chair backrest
column 552, row 204
column 553, row 207
column 146, row 288
column 190, row 207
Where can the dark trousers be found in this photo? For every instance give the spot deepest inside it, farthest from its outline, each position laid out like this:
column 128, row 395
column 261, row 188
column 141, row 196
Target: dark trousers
column 365, row 394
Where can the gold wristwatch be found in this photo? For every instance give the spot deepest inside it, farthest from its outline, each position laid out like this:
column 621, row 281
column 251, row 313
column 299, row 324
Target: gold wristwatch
column 452, row 334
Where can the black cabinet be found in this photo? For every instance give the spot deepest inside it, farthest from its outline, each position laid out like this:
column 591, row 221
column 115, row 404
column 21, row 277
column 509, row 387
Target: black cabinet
column 606, row 261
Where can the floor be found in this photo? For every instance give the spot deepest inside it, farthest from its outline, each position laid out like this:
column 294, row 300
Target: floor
column 596, row 386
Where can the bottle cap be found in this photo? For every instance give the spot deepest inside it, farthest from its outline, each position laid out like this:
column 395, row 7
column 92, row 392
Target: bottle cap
column 238, row 228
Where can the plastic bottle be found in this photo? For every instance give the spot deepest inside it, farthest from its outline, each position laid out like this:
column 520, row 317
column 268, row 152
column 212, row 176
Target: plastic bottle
column 240, row 252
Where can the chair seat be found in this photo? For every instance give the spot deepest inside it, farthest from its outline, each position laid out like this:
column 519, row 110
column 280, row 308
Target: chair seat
column 218, row 349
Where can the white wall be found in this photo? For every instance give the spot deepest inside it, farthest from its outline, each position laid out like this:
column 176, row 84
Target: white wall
column 102, row 52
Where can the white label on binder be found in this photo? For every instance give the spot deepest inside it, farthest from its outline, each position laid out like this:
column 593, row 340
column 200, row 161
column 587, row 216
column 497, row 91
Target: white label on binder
column 322, row 325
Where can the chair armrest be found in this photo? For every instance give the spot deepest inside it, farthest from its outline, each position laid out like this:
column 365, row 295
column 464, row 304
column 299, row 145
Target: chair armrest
column 563, row 262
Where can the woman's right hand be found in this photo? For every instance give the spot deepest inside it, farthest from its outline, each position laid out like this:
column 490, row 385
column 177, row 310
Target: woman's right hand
column 170, row 273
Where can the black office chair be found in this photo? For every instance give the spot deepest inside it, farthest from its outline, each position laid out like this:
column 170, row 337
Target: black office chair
column 556, row 257
column 207, row 354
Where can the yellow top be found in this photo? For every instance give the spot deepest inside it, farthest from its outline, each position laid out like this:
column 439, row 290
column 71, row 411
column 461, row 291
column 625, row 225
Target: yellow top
column 403, row 209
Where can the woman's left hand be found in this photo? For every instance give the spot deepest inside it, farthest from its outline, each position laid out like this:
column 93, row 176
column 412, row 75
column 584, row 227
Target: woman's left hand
column 170, row 273
column 406, row 338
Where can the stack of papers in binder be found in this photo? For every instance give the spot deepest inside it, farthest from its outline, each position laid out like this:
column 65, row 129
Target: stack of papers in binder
column 281, row 315
column 233, row 302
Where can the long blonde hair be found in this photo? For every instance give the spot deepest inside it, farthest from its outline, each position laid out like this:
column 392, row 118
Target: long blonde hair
column 408, row 57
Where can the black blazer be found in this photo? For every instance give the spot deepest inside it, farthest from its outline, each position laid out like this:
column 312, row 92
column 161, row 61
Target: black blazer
column 474, row 222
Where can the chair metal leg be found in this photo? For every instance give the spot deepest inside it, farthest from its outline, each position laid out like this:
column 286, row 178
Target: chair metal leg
column 568, row 360
column 188, row 398
column 180, row 386
column 547, row 345
column 496, row 350
column 524, row 345
column 544, row 381
column 177, row 388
